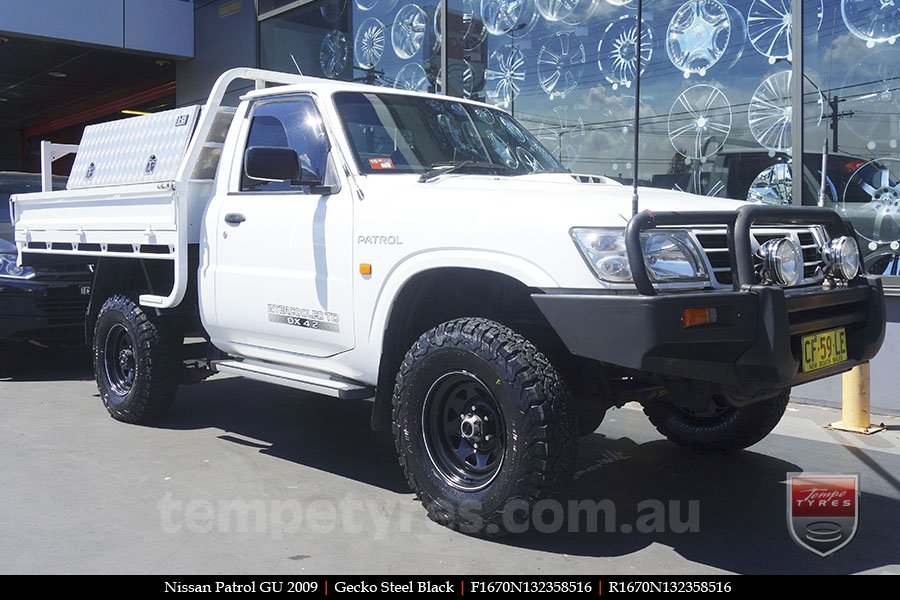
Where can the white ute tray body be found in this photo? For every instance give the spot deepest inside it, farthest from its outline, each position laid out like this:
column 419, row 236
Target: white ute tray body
column 139, row 187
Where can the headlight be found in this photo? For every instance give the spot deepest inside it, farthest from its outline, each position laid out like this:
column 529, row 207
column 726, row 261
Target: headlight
column 670, row 256
column 604, row 251
column 8, row 267
column 842, row 256
column 782, row 261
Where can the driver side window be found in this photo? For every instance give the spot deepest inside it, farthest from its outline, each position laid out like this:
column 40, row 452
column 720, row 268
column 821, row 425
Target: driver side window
column 293, row 123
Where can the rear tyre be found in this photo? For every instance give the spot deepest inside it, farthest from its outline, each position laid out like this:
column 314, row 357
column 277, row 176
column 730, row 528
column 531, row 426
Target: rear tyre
column 136, row 360
column 724, row 429
column 483, row 426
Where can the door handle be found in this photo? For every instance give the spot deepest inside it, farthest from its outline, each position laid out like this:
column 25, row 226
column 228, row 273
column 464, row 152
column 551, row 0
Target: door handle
column 235, row 218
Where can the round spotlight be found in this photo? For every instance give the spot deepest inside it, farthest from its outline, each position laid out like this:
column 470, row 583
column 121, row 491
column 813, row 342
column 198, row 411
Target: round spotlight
column 842, row 256
column 782, row 261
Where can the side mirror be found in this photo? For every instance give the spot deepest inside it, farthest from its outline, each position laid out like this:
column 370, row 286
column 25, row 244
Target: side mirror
column 265, row 163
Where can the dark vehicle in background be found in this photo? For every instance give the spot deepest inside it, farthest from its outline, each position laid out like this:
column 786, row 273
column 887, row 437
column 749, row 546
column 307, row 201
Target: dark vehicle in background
column 42, row 306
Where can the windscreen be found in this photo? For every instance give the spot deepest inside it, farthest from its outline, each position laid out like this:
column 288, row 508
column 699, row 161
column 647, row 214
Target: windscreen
column 413, row 134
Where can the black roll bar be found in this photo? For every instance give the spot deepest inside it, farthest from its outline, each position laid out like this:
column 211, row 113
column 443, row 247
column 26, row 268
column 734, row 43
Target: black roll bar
column 737, row 224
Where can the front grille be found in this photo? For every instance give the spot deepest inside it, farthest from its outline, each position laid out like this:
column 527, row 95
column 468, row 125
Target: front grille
column 812, row 258
column 715, row 246
column 63, row 304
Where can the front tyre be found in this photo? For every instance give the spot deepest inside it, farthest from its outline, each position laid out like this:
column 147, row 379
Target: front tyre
column 136, row 360
column 723, row 428
column 482, row 425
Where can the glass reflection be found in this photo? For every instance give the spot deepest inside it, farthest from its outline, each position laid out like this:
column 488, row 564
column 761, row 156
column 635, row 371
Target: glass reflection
column 716, row 106
column 853, row 58
column 698, row 35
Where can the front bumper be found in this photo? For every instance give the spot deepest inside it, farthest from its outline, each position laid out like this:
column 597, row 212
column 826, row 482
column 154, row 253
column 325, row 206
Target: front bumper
column 45, row 310
column 754, row 347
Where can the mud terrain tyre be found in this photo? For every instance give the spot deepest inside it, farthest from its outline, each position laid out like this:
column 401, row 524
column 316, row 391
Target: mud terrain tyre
column 136, row 360
column 482, row 425
column 727, row 430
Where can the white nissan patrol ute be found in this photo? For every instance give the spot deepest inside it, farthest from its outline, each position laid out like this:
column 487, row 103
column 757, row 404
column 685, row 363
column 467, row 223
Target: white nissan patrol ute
column 429, row 254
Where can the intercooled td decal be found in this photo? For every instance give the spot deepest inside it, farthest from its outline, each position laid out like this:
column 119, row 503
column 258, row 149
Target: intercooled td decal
column 304, row 317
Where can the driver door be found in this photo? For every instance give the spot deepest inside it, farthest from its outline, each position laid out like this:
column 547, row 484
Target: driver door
column 284, row 249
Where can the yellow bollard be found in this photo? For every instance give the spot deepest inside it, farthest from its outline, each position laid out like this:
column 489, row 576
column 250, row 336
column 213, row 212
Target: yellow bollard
column 855, row 402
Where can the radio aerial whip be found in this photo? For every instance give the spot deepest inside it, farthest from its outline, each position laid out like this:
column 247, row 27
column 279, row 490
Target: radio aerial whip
column 295, row 64
column 637, row 107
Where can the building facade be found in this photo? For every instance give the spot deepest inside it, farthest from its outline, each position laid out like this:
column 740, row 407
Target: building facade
column 738, row 97
column 65, row 64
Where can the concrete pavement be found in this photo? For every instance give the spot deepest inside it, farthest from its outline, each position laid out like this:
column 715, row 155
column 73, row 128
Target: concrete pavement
column 244, row 477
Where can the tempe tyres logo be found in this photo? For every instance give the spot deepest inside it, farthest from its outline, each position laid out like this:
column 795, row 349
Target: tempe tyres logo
column 823, row 510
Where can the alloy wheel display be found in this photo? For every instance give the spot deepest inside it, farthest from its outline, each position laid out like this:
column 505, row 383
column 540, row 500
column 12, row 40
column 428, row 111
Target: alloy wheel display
column 699, row 121
column 560, row 62
column 514, row 18
column 368, row 47
column 697, row 36
column 874, row 21
column 412, row 77
column 408, row 31
column 506, row 73
column 617, row 51
column 770, row 112
column 770, row 24
column 334, row 53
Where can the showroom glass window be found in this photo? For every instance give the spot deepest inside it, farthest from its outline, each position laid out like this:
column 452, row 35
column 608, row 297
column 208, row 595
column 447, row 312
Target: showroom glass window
column 717, row 75
column 392, row 43
column 715, row 86
column 716, row 100
column 851, row 55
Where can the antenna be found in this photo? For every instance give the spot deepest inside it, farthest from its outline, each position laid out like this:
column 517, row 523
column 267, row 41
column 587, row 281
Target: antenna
column 822, row 197
column 637, row 108
column 295, row 63
column 823, row 99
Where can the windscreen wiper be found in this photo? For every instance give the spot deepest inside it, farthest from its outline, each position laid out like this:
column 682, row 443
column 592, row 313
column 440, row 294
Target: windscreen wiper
column 438, row 169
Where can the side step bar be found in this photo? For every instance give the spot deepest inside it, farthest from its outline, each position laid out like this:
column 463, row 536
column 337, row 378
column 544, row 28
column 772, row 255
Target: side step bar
column 301, row 379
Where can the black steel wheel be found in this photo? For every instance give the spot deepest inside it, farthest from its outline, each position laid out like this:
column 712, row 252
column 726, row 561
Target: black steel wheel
column 482, row 425
column 136, row 360
column 118, row 361
column 463, row 430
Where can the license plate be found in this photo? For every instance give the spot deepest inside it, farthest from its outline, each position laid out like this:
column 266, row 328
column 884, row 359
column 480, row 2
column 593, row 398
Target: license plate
column 823, row 349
